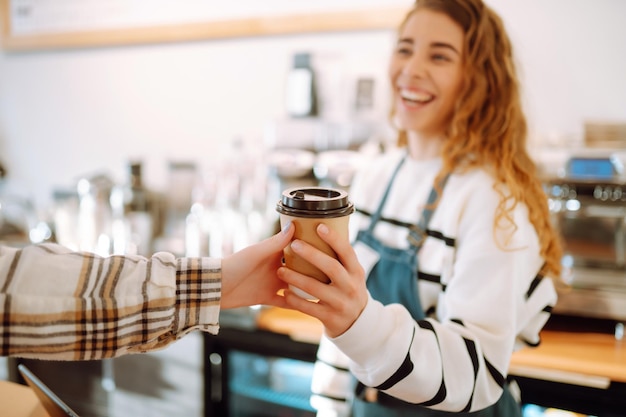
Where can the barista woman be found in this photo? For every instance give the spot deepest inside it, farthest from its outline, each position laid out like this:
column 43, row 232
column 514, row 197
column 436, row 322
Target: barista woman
column 453, row 252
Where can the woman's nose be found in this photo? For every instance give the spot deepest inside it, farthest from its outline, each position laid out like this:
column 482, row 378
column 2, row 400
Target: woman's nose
column 415, row 67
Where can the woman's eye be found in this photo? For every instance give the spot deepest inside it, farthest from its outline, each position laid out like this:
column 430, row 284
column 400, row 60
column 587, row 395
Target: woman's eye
column 403, row 51
column 440, row 58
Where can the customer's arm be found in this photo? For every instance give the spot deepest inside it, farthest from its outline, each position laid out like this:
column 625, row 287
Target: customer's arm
column 59, row 304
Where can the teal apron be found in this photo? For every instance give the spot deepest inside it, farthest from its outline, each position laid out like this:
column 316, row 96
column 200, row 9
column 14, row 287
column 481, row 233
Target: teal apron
column 394, row 280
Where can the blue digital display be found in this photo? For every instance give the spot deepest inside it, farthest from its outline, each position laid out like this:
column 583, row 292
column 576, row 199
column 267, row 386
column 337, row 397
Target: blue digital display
column 591, row 168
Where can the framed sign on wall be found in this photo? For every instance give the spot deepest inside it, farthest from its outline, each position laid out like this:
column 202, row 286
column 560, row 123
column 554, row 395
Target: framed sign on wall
column 53, row 24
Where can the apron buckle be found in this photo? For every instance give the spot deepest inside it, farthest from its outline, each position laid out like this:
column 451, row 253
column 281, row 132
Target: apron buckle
column 416, row 235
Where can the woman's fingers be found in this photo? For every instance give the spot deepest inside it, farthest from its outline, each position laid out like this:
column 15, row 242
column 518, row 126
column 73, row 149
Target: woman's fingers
column 278, row 241
column 306, row 283
column 342, row 247
column 338, row 270
column 329, row 313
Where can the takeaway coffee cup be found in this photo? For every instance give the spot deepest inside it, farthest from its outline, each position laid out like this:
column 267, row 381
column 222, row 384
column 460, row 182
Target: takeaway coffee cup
column 306, row 208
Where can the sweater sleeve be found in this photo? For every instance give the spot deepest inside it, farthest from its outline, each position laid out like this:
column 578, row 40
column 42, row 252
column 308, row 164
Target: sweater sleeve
column 64, row 305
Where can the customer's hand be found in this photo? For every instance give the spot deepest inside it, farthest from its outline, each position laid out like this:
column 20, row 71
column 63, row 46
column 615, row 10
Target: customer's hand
column 249, row 275
column 344, row 298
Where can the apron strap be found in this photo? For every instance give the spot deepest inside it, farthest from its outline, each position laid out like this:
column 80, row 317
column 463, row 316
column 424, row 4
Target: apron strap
column 378, row 213
column 417, row 232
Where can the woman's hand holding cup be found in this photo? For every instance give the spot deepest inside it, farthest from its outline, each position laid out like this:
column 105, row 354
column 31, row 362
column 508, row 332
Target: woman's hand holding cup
column 340, row 301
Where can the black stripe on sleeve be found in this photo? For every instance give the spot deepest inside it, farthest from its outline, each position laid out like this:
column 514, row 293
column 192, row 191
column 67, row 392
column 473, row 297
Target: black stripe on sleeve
column 473, row 354
column 442, row 392
column 495, row 374
column 338, row 368
column 531, row 344
column 438, row 398
column 330, row 397
column 533, row 285
column 471, row 350
column 402, row 372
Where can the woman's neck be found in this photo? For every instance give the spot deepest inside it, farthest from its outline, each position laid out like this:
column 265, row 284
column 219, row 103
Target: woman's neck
column 421, row 147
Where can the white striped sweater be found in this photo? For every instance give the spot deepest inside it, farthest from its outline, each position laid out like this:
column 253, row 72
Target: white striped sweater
column 482, row 301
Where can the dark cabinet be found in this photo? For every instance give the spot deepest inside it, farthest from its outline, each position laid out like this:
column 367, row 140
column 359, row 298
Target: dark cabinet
column 256, row 373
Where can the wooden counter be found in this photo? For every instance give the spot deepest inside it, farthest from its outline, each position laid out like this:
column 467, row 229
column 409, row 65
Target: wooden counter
column 294, row 324
column 580, row 371
column 592, row 359
column 18, row 400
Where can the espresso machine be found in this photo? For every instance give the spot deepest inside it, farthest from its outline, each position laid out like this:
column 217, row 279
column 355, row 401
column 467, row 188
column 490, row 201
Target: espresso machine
column 588, row 206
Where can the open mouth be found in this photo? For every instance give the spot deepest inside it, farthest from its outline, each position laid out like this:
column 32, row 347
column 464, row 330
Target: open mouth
column 415, row 97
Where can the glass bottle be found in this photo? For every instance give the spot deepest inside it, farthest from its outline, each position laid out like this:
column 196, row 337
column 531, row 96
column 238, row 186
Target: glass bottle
column 301, row 89
column 94, row 214
column 132, row 208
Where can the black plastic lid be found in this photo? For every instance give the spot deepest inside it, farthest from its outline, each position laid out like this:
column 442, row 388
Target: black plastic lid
column 315, row 202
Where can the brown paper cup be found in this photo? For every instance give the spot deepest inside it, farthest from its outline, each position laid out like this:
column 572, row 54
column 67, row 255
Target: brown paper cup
column 306, row 208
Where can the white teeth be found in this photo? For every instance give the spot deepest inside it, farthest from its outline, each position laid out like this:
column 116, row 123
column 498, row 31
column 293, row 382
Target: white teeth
column 416, row 96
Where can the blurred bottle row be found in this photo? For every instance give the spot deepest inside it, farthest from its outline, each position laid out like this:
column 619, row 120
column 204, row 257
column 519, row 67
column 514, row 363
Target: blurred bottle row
column 210, row 210
column 201, row 212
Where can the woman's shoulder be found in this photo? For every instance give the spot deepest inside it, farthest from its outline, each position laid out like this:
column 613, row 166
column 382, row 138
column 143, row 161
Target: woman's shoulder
column 477, row 181
column 476, row 192
column 467, row 186
column 473, row 192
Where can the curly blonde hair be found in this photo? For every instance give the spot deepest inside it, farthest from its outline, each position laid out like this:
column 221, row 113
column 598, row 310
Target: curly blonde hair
column 489, row 125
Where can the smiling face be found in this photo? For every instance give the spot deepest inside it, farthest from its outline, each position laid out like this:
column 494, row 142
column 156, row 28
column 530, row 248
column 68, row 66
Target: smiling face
column 426, row 72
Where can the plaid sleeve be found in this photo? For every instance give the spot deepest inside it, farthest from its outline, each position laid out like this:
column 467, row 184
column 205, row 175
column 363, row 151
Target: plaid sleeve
column 64, row 305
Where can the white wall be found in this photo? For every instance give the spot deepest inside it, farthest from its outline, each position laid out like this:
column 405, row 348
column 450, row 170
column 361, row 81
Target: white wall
column 67, row 113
